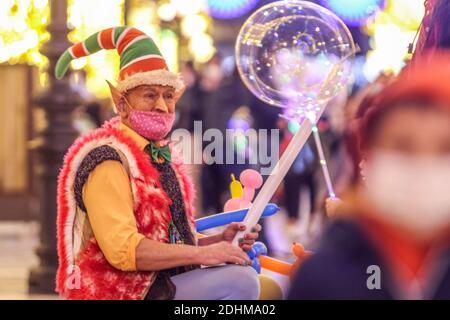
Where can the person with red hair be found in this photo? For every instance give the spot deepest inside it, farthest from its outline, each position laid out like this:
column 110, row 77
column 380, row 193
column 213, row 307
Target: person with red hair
column 434, row 32
column 394, row 243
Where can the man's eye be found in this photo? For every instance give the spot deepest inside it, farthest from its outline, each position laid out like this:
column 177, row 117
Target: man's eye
column 150, row 96
column 169, row 96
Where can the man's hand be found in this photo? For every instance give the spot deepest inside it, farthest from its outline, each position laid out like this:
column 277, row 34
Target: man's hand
column 333, row 206
column 222, row 252
column 249, row 238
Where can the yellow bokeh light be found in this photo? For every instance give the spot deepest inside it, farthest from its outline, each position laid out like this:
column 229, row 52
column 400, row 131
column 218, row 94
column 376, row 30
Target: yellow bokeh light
column 392, row 31
column 142, row 15
column 193, row 24
column 201, row 46
column 167, row 11
column 79, row 63
column 189, row 7
column 88, row 17
column 23, row 31
column 169, row 48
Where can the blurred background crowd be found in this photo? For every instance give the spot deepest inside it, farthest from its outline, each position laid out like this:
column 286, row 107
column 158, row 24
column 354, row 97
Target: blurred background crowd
column 197, row 39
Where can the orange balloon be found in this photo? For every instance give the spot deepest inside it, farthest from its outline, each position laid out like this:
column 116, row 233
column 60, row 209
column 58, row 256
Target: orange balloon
column 301, row 254
column 298, row 249
column 275, row 265
column 282, row 267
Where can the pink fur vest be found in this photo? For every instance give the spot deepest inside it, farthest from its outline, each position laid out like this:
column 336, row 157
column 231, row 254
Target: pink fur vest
column 84, row 272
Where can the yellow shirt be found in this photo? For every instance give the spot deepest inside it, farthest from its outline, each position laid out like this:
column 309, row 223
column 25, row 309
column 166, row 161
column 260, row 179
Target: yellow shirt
column 108, row 199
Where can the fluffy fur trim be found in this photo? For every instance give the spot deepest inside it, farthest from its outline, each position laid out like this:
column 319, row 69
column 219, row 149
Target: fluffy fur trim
column 155, row 77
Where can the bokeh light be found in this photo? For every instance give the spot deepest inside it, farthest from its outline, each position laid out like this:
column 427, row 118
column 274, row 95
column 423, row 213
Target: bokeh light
column 391, row 32
column 355, row 12
column 23, row 31
column 230, row 9
column 83, row 16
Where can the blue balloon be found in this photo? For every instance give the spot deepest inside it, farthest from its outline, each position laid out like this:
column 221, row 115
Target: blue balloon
column 251, row 253
column 256, row 265
column 260, row 248
column 225, row 218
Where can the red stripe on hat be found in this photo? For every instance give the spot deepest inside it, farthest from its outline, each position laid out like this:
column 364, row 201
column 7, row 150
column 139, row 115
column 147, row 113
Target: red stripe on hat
column 145, row 65
column 106, row 37
column 131, row 34
column 79, row 51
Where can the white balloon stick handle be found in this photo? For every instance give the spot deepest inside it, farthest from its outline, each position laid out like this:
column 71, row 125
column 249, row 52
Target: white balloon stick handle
column 323, row 162
column 276, row 176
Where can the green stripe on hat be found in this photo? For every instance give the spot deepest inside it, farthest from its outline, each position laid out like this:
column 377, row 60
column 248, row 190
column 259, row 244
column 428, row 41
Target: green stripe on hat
column 117, row 32
column 63, row 64
column 91, row 43
column 138, row 49
column 133, row 48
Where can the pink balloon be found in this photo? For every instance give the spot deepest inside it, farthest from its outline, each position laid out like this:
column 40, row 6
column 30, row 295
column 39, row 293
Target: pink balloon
column 232, row 204
column 244, row 204
column 248, row 194
column 251, row 178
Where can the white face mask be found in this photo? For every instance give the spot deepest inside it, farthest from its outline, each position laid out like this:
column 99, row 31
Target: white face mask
column 412, row 193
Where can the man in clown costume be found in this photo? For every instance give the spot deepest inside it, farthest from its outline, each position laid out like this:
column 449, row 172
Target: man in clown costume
column 125, row 218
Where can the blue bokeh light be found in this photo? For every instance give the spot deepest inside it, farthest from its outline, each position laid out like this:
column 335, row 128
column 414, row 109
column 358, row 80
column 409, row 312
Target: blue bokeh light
column 355, row 12
column 230, row 9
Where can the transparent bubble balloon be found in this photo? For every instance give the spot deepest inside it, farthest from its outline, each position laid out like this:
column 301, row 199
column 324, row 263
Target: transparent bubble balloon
column 295, row 54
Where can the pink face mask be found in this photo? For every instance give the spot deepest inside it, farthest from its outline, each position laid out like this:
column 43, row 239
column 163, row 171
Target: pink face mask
column 152, row 125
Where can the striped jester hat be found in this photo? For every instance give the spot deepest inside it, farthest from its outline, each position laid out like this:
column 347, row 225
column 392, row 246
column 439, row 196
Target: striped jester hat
column 141, row 62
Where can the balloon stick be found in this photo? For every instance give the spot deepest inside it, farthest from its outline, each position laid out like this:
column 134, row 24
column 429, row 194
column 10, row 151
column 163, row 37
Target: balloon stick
column 323, row 162
column 277, row 175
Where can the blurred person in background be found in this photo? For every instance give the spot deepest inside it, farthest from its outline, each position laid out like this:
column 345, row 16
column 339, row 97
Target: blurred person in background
column 94, row 111
column 188, row 107
column 213, row 183
column 187, row 112
column 87, row 117
column 433, row 32
column 350, row 164
column 394, row 242
column 221, row 95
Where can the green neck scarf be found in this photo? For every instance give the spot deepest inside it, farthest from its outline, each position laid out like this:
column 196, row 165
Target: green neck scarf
column 156, row 153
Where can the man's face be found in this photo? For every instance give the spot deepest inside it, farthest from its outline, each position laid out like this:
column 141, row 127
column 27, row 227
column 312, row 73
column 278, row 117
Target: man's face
column 145, row 98
column 152, row 98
